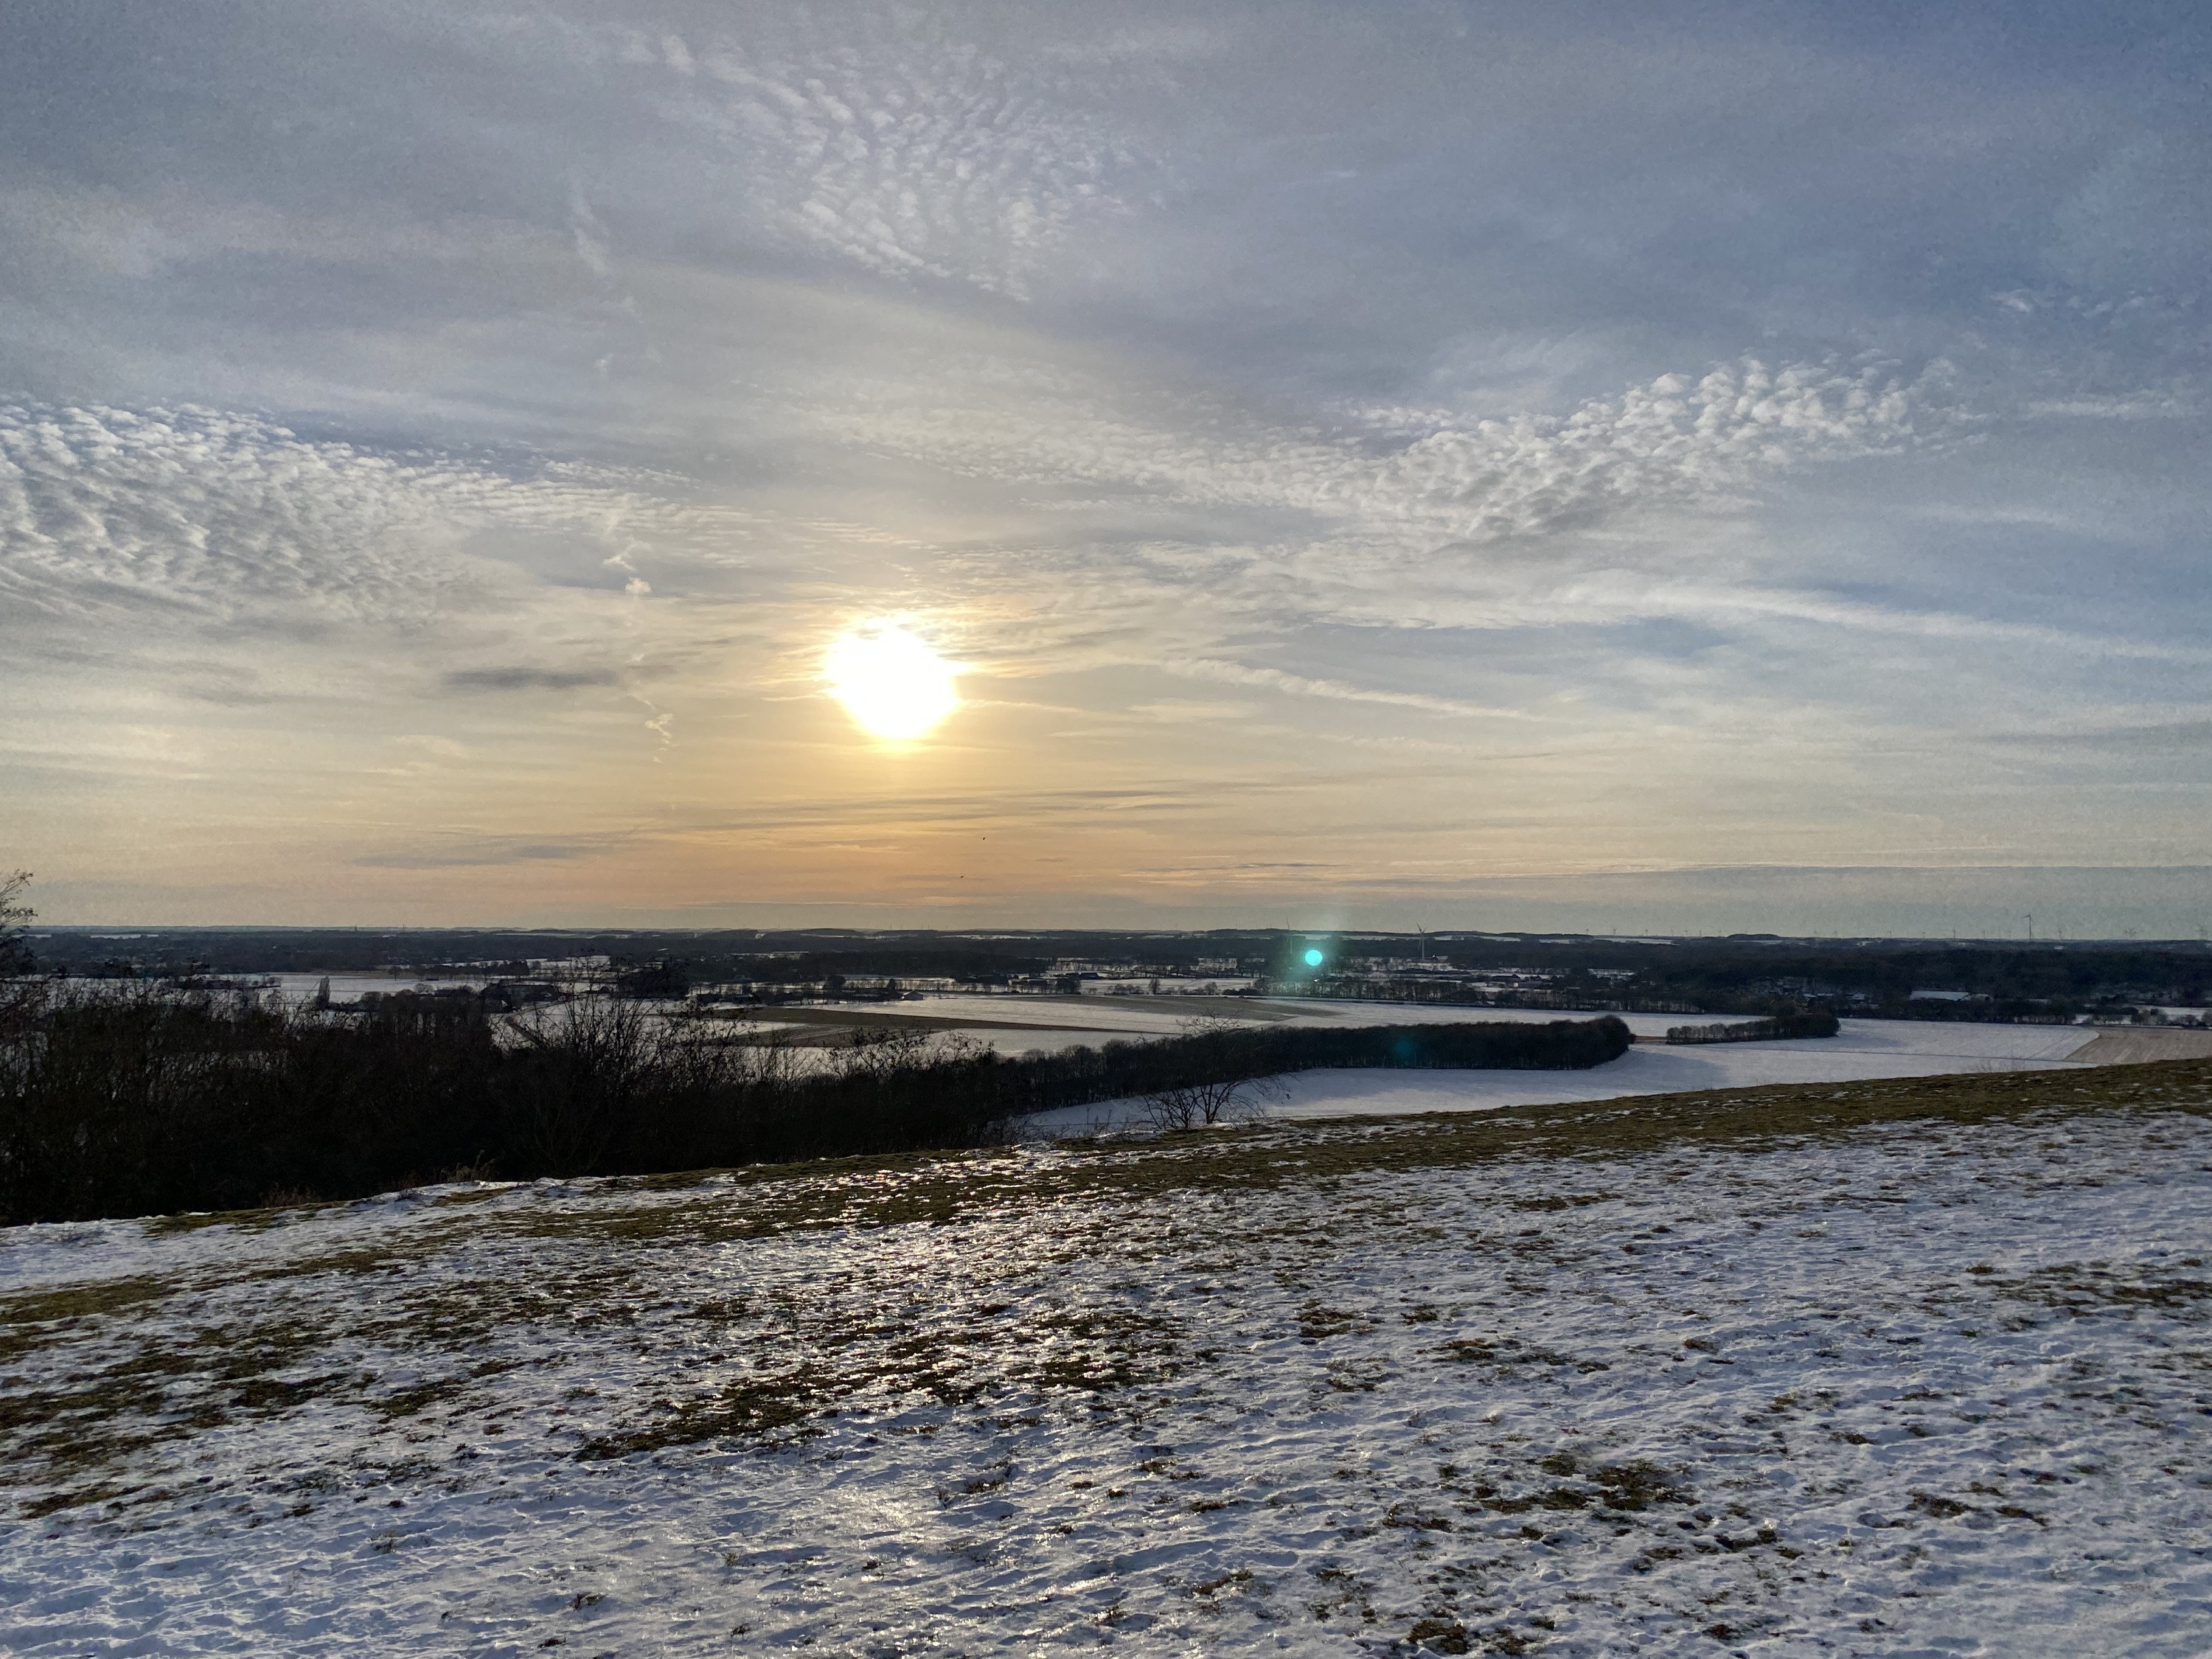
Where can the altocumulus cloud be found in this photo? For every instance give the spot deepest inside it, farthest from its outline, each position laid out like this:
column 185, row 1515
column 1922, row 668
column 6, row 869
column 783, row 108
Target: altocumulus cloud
column 893, row 143
column 214, row 513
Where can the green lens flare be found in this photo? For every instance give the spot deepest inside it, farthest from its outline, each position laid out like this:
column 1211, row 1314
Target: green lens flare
column 1313, row 958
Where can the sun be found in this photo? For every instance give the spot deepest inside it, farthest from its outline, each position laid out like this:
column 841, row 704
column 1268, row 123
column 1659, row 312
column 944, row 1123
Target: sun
column 892, row 685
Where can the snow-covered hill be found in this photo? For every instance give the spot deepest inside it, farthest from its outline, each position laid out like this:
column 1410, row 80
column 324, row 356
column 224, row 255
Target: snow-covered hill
column 1886, row 1367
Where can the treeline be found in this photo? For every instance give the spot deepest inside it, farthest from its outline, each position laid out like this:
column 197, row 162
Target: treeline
column 1806, row 1022
column 794, row 955
column 134, row 1101
column 1877, row 977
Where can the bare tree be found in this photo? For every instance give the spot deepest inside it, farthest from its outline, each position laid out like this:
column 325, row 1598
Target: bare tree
column 15, row 915
column 1225, row 1096
column 23, row 999
column 1192, row 1105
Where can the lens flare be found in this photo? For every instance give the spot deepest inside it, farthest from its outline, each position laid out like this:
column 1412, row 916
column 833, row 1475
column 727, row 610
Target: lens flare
column 892, row 685
column 1313, row 958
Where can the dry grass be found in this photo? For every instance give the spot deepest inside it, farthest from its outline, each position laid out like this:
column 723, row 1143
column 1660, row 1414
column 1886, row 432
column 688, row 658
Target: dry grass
column 941, row 1188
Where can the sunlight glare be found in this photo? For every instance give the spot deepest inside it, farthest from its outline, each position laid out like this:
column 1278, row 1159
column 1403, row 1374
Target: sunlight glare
column 892, row 685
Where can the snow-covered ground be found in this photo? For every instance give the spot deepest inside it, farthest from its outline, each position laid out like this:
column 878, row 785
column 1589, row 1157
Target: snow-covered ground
column 1864, row 1049
column 1018, row 1024
column 1915, row 1388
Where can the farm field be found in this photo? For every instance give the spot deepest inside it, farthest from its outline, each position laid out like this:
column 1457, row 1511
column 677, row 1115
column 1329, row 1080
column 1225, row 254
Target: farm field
column 1884, row 1366
column 1864, row 1050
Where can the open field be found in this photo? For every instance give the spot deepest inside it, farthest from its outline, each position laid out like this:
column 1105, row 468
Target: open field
column 1882, row 1367
column 2131, row 1046
column 1865, row 1051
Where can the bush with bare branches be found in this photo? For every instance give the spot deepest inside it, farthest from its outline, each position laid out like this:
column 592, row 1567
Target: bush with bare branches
column 15, row 915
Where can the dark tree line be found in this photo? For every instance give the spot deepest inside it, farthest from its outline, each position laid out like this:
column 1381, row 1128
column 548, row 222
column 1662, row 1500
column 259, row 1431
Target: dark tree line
column 131, row 1101
column 1806, row 1022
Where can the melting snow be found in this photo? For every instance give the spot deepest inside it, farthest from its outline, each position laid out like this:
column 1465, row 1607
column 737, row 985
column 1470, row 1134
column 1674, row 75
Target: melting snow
column 1927, row 1389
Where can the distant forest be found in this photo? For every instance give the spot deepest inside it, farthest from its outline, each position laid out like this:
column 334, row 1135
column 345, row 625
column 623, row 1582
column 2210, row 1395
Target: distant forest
column 1741, row 974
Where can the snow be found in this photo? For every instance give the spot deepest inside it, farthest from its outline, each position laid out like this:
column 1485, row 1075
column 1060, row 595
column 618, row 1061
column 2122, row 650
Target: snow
column 1923, row 1388
column 1864, row 1049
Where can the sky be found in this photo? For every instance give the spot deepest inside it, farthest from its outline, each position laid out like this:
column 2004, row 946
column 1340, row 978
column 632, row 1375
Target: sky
column 1640, row 467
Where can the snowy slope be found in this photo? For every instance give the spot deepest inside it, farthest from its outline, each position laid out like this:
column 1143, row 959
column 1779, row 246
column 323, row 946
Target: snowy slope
column 1918, row 1388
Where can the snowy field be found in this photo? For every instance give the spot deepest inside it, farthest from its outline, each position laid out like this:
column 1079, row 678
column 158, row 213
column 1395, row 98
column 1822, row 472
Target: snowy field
column 1879, row 1368
column 1865, row 1048
column 1017, row 1024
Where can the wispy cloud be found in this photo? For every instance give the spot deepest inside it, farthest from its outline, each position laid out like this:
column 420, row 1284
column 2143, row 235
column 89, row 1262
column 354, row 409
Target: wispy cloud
column 528, row 679
column 461, row 853
column 1277, row 679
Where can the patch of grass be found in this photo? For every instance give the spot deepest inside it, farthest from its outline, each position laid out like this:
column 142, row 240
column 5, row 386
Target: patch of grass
column 114, row 1405
column 419, row 1397
column 2085, row 1288
column 31, row 1319
column 268, row 1395
column 1083, row 1349
column 54, row 1502
column 752, row 1407
column 275, row 1211
column 1343, row 1593
column 65, row 1432
column 1317, row 1323
column 1944, row 1508
column 1235, row 1579
column 447, row 1200
column 762, row 1200
column 1631, row 1487
column 1637, row 1484
column 1098, row 1349
column 1505, row 1353
column 1439, row 1635
column 362, row 1258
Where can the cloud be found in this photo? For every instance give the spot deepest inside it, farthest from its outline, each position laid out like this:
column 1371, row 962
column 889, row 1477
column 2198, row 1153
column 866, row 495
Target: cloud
column 212, row 512
column 464, row 851
column 2145, row 405
column 1269, row 392
column 1232, row 673
column 527, row 679
column 1678, row 442
column 893, row 143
